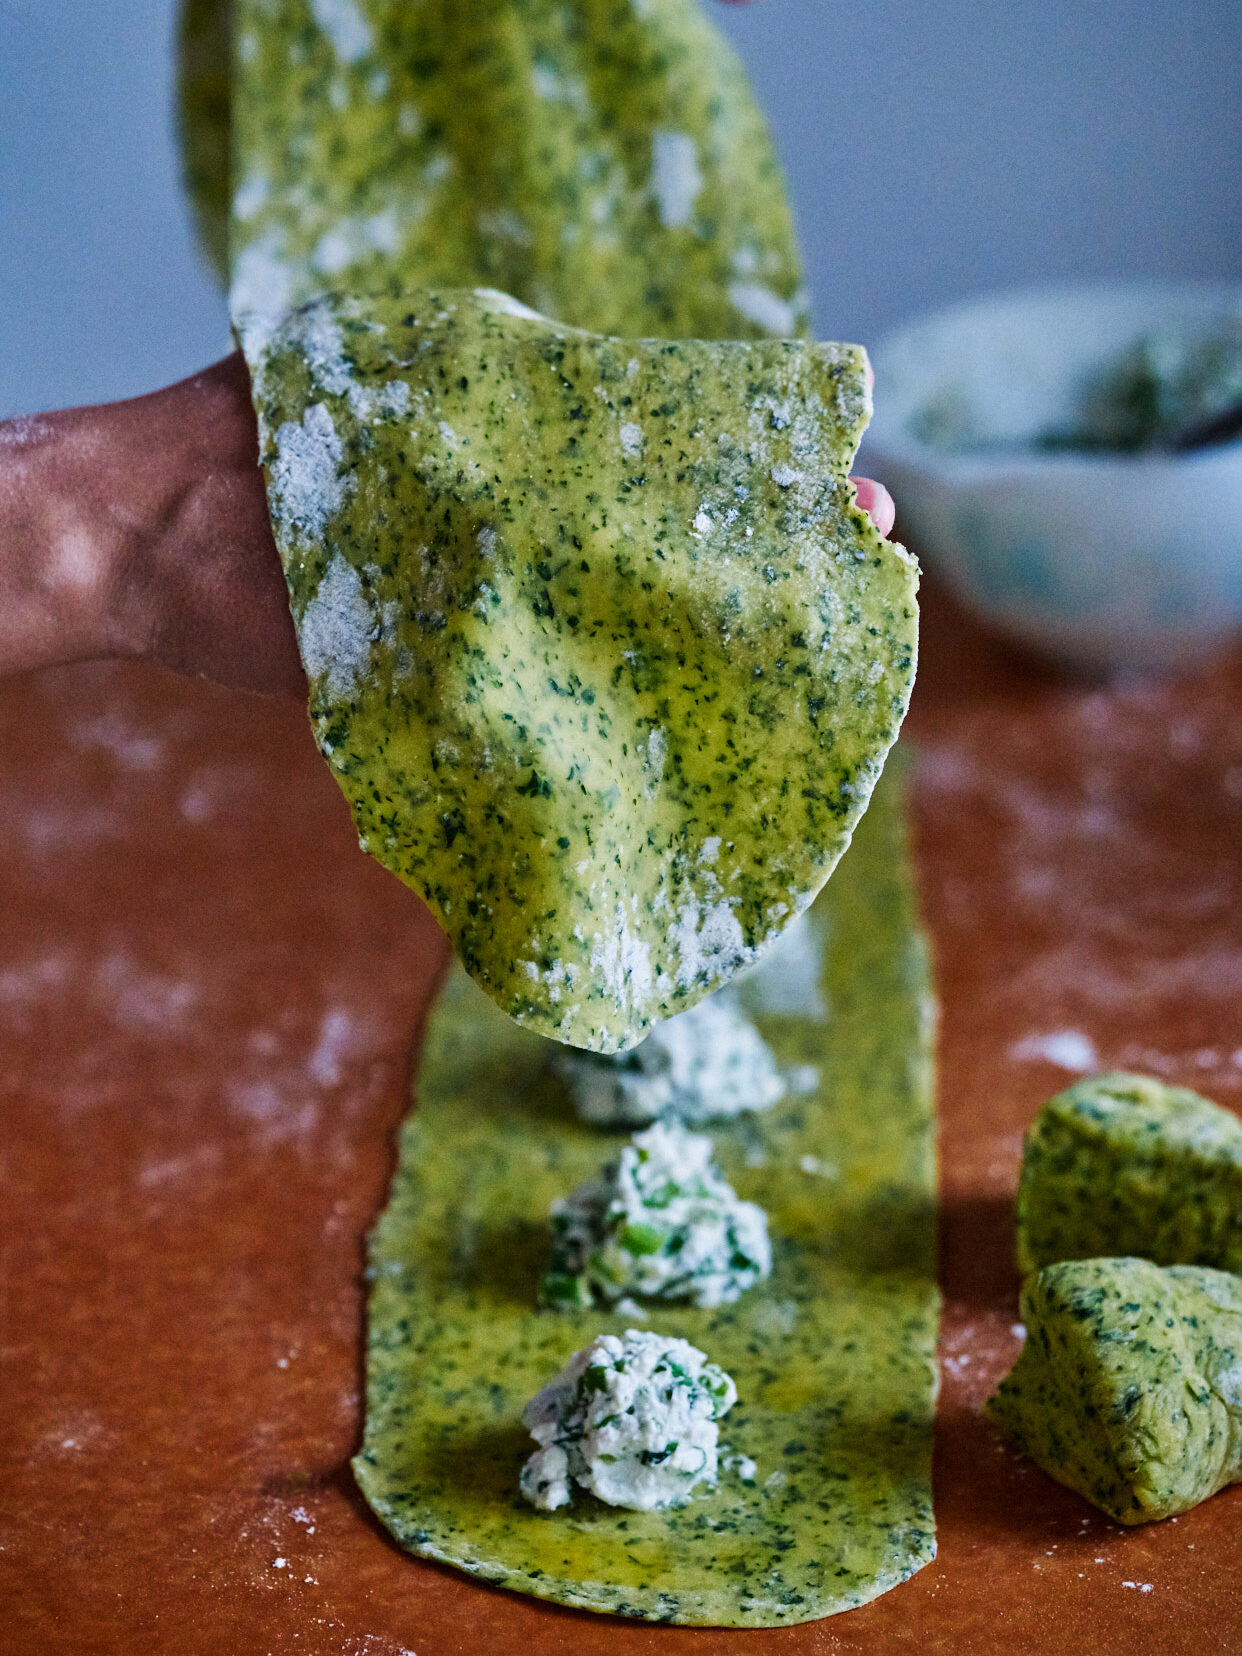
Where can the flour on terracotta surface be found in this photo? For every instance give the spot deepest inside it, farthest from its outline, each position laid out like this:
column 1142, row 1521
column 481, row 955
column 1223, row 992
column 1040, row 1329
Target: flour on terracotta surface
column 1069, row 1049
column 338, row 1041
column 675, row 177
column 337, row 629
column 113, row 731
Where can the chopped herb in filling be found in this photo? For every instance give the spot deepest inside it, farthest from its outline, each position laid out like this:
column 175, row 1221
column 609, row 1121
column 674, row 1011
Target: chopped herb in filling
column 659, row 1222
column 631, row 1419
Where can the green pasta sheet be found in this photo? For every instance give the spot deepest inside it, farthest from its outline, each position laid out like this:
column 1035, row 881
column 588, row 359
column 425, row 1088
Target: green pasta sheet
column 603, row 160
column 601, row 650
column 833, row 1360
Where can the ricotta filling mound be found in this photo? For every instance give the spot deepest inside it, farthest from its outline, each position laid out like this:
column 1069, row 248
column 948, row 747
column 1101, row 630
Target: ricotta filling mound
column 660, row 1222
column 700, row 1065
column 631, row 1419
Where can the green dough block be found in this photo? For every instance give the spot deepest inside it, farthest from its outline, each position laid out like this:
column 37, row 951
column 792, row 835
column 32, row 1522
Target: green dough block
column 601, row 651
column 1122, row 1164
column 1129, row 1387
column 604, row 161
column 833, row 1359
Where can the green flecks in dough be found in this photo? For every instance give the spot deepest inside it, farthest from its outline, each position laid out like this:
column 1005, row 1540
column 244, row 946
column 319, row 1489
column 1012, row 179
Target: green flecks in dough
column 1123, row 1164
column 602, row 160
column 611, row 704
column 832, row 1361
column 1129, row 1387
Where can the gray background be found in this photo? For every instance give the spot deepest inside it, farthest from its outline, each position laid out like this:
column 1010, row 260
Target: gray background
column 934, row 150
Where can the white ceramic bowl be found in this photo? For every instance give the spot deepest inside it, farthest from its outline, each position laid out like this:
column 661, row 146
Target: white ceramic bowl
column 1106, row 562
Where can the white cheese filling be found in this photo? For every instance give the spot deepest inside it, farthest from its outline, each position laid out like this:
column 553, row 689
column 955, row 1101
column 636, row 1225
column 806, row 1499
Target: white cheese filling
column 631, row 1419
column 708, row 1062
column 660, row 1222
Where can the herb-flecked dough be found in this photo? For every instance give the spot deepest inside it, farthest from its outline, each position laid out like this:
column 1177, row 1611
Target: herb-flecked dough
column 604, row 161
column 1128, row 1388
column 832, row 1359
column 601, row 651
column 1125, row 1164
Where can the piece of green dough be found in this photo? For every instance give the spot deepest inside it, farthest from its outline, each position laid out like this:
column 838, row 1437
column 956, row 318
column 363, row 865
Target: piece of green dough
column 1123, row 1164
column 1129, row 1386
column 604, row 160
column 601, row 651
column 832, row 1358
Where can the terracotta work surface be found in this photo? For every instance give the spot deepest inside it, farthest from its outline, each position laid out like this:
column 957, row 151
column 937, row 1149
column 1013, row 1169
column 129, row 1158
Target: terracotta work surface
column 207, row 996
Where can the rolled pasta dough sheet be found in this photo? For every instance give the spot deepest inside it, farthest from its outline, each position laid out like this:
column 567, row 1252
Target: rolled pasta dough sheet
column 602, row 653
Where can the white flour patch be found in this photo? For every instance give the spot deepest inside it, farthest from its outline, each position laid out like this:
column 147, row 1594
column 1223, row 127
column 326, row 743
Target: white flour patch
column 309, row 484
column 336, row 629
column 141, row 1001
column 631, row 438
column 675, row 177
column 261, row 290
column 505, row 225
column 776, row 1317
column 356, row 238
column 657, row 755
column 250, row 197
column 767, row 310
column 132, row 749
column 710, row 945
column 344, row 26
column 624, row 963
column 1069, row 1049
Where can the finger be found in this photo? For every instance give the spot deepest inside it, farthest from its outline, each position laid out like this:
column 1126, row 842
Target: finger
column 876, row 501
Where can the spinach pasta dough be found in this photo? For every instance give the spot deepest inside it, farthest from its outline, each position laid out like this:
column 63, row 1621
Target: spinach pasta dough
column 823, row 1498
column 1123, row 1164
column 1129, row 1387
column 604, row 161
column 601, row 651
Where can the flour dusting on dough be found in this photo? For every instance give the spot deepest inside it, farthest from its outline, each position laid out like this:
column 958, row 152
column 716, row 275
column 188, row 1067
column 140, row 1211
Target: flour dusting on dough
column 308, row 483
column 711, row 944
column 624, row 963
column 336, row 629
column 675, row 177
column 758, row 304
column 344, row 26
